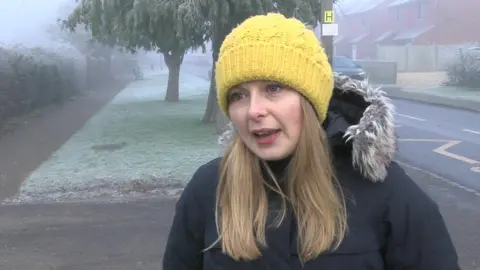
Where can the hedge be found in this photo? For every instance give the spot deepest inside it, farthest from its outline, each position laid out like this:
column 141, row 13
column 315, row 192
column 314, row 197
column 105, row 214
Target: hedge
column 464, row 71
column 34, row 78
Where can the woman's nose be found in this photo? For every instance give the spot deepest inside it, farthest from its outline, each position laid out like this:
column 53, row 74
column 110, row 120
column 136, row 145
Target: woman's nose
column 257, row 107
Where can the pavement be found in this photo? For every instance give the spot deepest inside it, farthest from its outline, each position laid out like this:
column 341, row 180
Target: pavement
column 445, row 97
column 36, row 136
column 93, row 236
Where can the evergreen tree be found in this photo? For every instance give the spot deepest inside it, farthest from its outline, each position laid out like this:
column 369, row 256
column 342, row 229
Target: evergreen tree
column 142, row 24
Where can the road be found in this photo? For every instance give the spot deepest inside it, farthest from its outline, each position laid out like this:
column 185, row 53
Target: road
column 441, row 140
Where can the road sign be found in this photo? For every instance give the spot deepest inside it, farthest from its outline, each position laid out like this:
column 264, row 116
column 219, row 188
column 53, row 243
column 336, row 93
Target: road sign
column 329, row 29
column 328, row 16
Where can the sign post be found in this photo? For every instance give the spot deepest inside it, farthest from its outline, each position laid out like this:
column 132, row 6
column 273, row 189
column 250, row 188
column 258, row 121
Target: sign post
column 329, row 28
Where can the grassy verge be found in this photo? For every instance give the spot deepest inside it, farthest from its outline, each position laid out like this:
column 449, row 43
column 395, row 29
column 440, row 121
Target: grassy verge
column 453, row 92
column 136, row 144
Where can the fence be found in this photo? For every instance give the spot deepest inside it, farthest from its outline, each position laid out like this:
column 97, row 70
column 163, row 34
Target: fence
column 420, row 58
column 379, row 72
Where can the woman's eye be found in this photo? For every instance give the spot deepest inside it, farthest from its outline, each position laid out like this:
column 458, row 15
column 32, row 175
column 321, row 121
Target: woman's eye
column 235, row 96
column 274, row 87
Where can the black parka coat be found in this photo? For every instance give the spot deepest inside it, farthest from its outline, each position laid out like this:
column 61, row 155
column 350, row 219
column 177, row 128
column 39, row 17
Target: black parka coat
column 392, row 223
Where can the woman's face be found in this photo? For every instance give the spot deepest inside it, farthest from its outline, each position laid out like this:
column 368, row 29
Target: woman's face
column 267, row 116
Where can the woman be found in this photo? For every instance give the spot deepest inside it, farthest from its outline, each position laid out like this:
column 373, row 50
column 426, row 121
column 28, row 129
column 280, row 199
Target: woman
column 306, row 181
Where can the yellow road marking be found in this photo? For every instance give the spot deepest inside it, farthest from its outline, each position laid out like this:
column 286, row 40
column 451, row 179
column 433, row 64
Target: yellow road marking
column 442, row 150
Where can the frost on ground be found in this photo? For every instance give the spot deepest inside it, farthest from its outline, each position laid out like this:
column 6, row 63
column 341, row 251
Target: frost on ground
column 137, row 144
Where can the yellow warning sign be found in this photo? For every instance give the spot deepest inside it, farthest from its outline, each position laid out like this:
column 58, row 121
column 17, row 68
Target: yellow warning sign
column 328, row 16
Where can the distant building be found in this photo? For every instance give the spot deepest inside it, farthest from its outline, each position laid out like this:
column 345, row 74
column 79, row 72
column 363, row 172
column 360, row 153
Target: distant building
column 366, row 24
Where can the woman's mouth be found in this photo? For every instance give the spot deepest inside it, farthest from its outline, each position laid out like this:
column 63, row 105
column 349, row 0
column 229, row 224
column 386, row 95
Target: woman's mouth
column 266, row 136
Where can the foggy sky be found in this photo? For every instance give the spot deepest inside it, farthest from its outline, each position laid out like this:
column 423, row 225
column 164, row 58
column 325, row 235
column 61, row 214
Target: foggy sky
column 24, row 21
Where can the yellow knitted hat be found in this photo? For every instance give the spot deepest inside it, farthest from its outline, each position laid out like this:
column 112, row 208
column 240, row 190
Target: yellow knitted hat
column 272, row 47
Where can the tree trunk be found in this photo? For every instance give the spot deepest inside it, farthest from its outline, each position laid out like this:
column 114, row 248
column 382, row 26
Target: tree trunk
column 173, row 60
column 212, row 111
column 212, row 106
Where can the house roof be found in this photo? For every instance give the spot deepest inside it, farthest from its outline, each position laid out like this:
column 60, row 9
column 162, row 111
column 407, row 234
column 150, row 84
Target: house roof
column 413, row 33
column 384, row 36
column 350, row 7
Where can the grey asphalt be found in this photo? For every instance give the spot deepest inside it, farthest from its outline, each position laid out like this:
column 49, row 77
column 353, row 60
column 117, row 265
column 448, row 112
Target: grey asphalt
column 93, row 236
column 420, row 121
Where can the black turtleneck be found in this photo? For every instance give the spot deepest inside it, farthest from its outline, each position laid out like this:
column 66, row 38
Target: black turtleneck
column 279, row 167
column 279, row 237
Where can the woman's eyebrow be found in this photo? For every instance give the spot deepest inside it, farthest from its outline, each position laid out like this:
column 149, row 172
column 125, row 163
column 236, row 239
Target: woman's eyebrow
column 239, row 87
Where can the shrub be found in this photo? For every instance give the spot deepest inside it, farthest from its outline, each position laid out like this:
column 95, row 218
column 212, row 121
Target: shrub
column 464, row 70
column 30, row 79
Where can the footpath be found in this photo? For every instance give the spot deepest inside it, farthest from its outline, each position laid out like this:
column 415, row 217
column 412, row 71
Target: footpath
column 430, row 89
column 32, row 138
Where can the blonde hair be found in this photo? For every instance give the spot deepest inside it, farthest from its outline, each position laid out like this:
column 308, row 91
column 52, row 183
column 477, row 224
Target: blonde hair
column 312, row 191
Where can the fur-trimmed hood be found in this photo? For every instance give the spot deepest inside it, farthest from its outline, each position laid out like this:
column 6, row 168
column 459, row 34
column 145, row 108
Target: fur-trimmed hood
column 360, row 120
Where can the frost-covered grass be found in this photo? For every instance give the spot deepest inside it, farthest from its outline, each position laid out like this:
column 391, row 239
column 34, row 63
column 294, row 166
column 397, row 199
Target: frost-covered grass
column 137, row 143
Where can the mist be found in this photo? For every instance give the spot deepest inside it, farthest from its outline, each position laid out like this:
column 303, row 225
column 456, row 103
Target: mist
column 26, row 22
